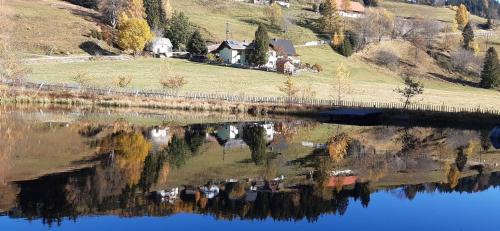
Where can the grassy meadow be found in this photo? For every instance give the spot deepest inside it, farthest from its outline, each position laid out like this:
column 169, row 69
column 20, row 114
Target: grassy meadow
column 368, row 83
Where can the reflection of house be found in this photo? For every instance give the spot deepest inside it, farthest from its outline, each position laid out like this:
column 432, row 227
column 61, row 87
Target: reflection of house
column 210, row 192
column 227, row 132
column 355, row 10
column 159, row 137
column 339, row 181
column 160, row 47
column 269, row 130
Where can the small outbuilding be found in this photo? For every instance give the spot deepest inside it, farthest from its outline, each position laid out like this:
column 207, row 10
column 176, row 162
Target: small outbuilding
column 160, row 47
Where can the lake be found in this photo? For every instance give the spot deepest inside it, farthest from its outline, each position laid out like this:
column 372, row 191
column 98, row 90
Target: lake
column 121, row 169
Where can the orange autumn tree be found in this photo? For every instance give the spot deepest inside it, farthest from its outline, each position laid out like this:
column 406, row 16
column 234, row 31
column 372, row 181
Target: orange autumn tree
column 131, row 150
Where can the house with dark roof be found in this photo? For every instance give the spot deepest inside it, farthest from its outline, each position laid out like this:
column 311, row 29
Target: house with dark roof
column 237, row 52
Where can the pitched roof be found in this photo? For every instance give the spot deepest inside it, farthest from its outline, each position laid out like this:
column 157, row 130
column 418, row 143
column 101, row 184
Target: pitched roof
column 160, row 41
column 355, row 6
column 233, row 44
column 285, row 45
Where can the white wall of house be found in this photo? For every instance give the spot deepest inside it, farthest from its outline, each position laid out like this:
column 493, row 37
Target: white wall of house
column 350, row 14
column 271, row 59
column 232, row 56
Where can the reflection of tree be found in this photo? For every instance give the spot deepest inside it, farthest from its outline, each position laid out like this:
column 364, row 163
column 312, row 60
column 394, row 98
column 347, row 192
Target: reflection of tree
column 194, row 136
column 254, row 137
column 338, row 147
column 485, row 140
column 176, row 151
column 461, row 159
column 131, row 150
column 453, row 176
column 409, row 142
column 322, row 177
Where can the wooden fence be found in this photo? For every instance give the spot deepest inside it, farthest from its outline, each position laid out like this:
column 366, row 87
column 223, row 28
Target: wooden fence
column 40, row 86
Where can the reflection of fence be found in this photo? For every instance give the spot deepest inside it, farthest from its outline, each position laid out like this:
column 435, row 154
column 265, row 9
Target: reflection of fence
column 159, row 94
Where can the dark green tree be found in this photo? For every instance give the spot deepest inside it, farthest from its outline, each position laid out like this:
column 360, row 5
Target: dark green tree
column 155, row 14
column 178, row 29
column 196, row 44
column 259, row 53
column 346, row 48
column 490, row 75
column 177, row 151
column 468, row 35
column 149, row 173
column 254, row 137
column 195, row 137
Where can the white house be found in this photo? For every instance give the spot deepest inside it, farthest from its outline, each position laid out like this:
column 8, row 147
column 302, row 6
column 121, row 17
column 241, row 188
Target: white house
column 233, row 52
column 227, row 132
column 160, row 47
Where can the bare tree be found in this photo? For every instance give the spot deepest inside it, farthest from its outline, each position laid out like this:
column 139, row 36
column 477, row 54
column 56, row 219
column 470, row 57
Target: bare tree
column 464, row 60
column 341, row 82
column 411, row 89
column 110, row 10
column 386, row 57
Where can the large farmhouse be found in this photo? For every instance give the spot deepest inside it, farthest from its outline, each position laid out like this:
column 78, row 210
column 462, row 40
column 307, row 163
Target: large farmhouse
column 237, row 52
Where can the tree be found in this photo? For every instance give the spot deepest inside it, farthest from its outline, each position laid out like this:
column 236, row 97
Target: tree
column 196, row 44
column 411, row 89
column 259, row 53
column 490, row 75
column 178, row 29
column 462, row 16
column 169, row 79
column 254, row 137
column 110, row 10
column 341, row 81
column 330, row 22
column 468, row 36
column 373, row 3
column 168, row 9
column 131, row 150
column 275, row 15
column 289, row 88
column 346, row 48
column 177, row 151
column 155, row 14
column 135, row 9
column 383, row 22
column 133, row 33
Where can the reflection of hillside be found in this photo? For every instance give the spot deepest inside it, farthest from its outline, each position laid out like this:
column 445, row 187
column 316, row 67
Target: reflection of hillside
column 70, row 195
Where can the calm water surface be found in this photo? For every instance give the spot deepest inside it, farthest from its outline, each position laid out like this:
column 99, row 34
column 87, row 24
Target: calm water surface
column 100, row 170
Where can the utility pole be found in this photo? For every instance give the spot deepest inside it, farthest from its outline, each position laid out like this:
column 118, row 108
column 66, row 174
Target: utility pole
column 227, row 31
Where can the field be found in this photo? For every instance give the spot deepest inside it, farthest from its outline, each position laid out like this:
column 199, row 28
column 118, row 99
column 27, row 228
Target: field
column 368, row 83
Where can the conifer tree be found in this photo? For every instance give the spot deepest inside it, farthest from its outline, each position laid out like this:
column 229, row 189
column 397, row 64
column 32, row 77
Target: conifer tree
column 490, row 75
column 330, row 22
column 196, row 44
column 259, row 53
column 468, row 36
column 155, row 14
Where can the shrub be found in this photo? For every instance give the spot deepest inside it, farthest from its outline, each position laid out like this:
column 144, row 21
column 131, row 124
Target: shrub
column 123, row 81
column 464, row 60
column 317, row 67
column 386, row 57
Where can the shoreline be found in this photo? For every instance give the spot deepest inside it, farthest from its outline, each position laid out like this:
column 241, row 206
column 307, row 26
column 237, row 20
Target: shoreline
column 389, row 116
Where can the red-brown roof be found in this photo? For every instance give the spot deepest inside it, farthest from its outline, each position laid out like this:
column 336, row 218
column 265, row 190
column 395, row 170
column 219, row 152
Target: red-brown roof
column 355, row 6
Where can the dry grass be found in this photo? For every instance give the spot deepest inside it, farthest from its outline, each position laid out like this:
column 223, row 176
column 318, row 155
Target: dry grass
column 50, row 27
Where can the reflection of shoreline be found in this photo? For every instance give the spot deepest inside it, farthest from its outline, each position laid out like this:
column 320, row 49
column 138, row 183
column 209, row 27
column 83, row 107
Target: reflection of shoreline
column 51, row 199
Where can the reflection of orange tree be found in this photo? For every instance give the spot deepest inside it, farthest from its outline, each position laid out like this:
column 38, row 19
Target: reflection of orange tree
column 131, row 150
column 337, row 147
column 453, row 174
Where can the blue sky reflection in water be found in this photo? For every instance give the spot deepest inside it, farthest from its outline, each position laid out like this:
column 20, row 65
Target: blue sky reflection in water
column 434, row 211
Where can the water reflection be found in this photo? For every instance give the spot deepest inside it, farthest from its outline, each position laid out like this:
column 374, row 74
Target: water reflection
column 287, row 170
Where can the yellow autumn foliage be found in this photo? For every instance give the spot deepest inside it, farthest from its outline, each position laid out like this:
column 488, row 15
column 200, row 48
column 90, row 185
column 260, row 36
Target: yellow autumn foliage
column 337, row 147
column 133, row 33
column 131, row 150
column 462, row 16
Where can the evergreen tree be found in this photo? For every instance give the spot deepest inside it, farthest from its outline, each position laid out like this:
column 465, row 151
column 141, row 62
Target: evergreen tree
column 490, row 75
column 330, row 22
column 254, row 137
column 468, row 35
column 196, row 44
column 178, row 30
column 155, row 14
column 177, row 151
column 346, row 48
column 259, row 53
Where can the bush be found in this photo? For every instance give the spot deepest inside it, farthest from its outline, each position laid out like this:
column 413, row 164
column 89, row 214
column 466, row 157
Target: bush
column 386, row 57
column 317, row 67
column 464, row 60
column 212, row 58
